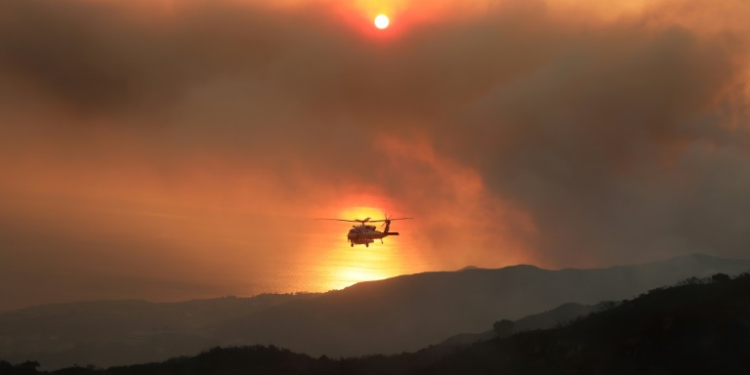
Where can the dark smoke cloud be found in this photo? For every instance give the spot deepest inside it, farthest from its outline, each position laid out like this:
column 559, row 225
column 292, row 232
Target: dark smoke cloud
column 594, row 144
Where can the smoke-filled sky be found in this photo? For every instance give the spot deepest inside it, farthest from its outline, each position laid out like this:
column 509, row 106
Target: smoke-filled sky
column 175, row 149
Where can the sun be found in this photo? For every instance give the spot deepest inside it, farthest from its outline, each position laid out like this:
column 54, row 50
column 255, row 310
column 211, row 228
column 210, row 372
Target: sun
column 382, row 21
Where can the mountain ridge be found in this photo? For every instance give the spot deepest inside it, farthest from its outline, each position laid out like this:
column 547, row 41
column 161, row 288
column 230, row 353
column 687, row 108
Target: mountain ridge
column 464, row 269
column 403, row 313
column 417, row 310
column 696, row 327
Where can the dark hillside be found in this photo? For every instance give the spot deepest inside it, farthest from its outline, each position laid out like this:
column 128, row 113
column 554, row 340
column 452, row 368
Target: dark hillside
column 405, row 313
column 702, row 327
column 699, row 328
column 556, row 317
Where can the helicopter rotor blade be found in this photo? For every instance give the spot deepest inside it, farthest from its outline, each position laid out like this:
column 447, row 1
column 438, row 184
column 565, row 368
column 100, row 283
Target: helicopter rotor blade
column 362, row 221
column 398, row 218
column 348, row 221
column 366, row 220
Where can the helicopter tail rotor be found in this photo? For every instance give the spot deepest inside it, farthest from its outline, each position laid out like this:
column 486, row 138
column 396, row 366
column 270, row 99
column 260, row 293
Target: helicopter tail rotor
column 386, row 221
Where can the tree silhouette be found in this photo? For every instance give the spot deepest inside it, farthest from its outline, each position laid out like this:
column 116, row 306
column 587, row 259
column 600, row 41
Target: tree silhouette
column 503, row 328
column 719, row 277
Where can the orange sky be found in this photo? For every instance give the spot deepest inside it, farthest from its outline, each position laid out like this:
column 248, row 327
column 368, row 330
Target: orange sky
column 180, row 149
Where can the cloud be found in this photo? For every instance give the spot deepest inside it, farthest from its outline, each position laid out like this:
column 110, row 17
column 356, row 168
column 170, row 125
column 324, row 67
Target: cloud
column 584, row 141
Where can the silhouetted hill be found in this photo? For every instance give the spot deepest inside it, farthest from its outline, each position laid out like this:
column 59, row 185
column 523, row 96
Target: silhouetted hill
column 698, row 328
column 558, row 316
column 689, row 329
column 405, row 313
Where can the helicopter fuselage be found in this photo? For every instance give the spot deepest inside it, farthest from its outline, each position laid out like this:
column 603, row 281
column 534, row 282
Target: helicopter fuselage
column 367, row 234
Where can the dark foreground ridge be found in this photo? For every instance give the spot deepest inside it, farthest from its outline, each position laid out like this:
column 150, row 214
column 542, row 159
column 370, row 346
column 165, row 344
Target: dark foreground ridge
column 699, row 327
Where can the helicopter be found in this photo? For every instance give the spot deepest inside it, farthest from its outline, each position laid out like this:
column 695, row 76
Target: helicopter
column 364, row 234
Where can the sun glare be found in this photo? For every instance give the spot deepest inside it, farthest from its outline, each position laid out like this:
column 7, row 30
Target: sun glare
column 341, row 265
column 382, row 21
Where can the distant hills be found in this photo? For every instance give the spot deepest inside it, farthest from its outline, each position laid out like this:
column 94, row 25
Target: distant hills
column 404, row 313
column 698, row 327
column 121, row 332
